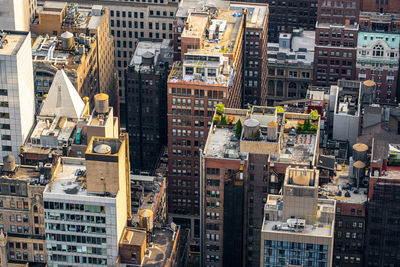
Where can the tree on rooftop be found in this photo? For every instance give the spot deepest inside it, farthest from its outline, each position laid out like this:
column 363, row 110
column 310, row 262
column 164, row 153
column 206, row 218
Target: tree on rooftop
column 238, row 128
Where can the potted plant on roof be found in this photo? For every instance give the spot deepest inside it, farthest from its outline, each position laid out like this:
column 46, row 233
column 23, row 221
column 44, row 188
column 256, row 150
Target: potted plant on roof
column 220, row 109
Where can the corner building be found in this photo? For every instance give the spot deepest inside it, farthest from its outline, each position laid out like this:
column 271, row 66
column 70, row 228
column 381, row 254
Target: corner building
column 210, row 73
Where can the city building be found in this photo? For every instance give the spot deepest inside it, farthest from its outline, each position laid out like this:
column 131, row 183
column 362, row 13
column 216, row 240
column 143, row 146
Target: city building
column 256, row 28
column 335, row 41
column 148, row 240
column 285, row 16
column 378, row 60
column 379, row 22
column 17, row 93
column 381, row 240
column 17, row 15
column 255, row 55
column 210, row 73
column 149, row 193
column 350, row 218
column 64, row 125
column 347, row 110
column 21, row 213
column 53, row 53
column 298, row 227
column 146, row 117
column 130, row 22
column 290, row 66
column 241, row 168
column 87, row 205
column 380, row 6
column 88, row 22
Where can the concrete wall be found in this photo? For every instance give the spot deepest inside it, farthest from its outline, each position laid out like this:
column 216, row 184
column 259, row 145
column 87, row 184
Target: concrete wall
column 345, row 128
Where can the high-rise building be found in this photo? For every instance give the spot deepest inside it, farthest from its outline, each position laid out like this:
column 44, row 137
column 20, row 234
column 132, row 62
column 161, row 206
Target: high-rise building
column 21, row 213
column 254, row 92
column 290, row 66
column 17, row 92
column 298, row 227
column 378, row 56
column 284, row 16
column 53, row 53
column 17, row 15
column 91, row 23
column 87, row 205
column 336, row 41
column 130, row 22
column 210, row 73
column 146, row 92
column 240, row 169
column 255, row 55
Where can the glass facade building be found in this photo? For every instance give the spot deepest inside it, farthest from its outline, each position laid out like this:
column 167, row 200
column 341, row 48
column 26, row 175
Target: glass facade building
column 281, row 253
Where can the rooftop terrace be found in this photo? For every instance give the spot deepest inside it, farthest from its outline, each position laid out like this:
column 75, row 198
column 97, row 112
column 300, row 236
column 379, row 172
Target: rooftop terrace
column 265, row 132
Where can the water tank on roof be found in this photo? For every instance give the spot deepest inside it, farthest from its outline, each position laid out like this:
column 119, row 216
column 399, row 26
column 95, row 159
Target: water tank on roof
column 102, row 149
column 9, row 163
column 146, row 219
column 251, row 129
column 148, row 58
column 101, row 103
column 272, row 131
column 67, row 40
column 359, row 171
column 360, row 152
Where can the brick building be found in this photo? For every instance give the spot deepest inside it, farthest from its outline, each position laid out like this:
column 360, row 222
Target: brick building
column 387, row 6
column 21, row 212
column 284, row 16
column 290, row 66
column 240, row 170
column 335, row 41
column 210, row 73
column 378, row 60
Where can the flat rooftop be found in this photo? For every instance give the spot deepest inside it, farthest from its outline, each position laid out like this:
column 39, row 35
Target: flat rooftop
column 145, row 191
column 289, row 144
column 187, row 6
column 256, row 13
column 309, row 230
column 22, row 172
column 11, row 42
column 49, row 50
column 160, row 252
column 69, row 178
column 337, row 189
column 160, row 51
column 353, row 27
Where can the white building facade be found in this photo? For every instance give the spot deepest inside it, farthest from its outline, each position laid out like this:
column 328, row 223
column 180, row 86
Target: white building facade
column 17, row 107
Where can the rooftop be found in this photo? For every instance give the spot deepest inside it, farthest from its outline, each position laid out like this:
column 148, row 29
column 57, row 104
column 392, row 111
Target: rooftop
column 145, row 191
column 188, row 6
column 163, row 240
column 266, row 132
column 340, row 189
column 353, row 27
column 321, row 226
column 256, row 13
column 77, row 16
column 348, row 98
column 10, row 42
column 150, row 53
column 299, row 50
column 46, row 49
column 69, row 179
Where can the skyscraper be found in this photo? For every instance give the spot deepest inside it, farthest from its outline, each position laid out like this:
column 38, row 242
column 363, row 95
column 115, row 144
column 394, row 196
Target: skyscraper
column 17, row 108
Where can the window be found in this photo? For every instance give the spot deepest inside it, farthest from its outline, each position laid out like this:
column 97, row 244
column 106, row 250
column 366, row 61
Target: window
column 378, row 51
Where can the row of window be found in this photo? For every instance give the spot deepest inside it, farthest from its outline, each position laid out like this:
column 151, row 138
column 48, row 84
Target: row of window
column 74, row 207
column 213, row 94
column 336, row 54
column 76, row 249
column 75, row 228
column 17, row 255
column 74, row 217
column 76, row 239
column 129, row 14
column 75, row 259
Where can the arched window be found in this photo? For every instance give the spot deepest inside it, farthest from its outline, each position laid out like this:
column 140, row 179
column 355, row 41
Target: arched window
column 378, row 51
column 292, row 89
column 279, row 88
column 271, row 87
